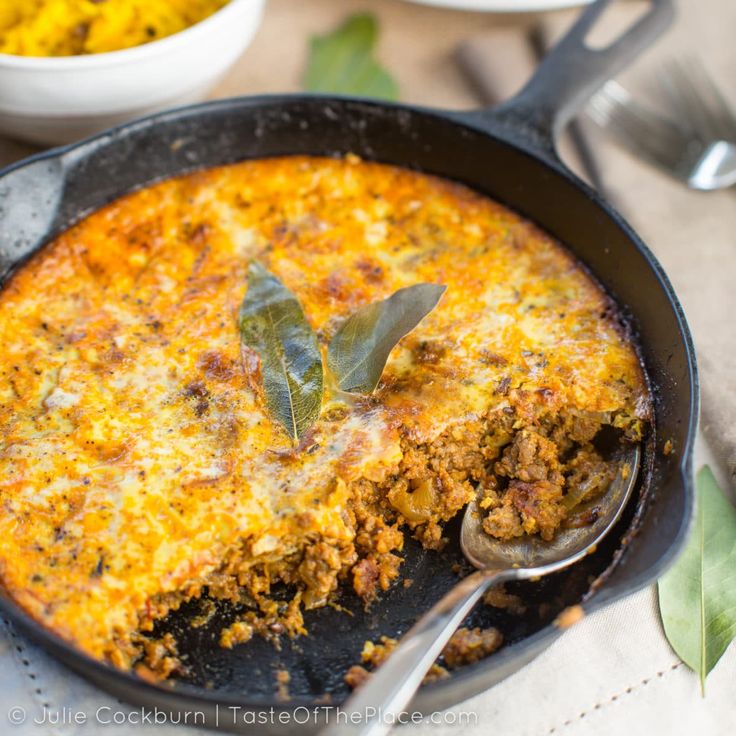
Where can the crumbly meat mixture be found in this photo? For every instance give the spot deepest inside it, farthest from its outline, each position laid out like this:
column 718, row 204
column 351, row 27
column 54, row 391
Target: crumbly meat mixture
column 535, row 490
column 373, row 655
column 465, row 647
column 471, row 645
column 499, row 597
column 532, row 502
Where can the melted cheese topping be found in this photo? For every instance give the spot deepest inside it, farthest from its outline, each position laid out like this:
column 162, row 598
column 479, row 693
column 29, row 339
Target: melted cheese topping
column 135, row 449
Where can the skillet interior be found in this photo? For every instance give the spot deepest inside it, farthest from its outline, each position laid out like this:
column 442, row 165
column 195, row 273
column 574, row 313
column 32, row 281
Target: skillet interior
column 43, row 197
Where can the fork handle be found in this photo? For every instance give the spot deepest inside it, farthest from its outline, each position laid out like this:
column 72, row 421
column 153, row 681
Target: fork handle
column 377, row 705
column 573, row 71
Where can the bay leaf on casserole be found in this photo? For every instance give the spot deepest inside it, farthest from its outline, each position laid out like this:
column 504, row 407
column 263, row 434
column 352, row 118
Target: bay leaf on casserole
column 359, row 350
column 273, row 324
column 342, row 61
column 697, row 596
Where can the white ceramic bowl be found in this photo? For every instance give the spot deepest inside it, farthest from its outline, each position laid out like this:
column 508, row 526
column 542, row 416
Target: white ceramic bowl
column 54, row 100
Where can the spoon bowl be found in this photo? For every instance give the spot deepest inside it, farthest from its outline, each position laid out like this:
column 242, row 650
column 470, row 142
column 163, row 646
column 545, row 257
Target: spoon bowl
column 569, row 544
column 379, row 703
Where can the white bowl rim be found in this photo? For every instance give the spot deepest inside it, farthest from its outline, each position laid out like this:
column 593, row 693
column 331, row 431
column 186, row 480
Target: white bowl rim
column 123, row 56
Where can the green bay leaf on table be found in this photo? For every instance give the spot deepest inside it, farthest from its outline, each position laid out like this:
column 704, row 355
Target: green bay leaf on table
column 342, row 62
column 697, row 596
column 272, row 323
column 359, row 350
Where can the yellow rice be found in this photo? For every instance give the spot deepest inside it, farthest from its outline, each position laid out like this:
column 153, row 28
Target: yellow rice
column 73, row 27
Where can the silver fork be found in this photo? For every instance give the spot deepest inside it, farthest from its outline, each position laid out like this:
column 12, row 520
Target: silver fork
column 695, row 97
column 698, row 147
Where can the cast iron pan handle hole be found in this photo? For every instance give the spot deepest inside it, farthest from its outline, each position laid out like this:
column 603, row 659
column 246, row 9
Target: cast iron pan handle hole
column 616, row 20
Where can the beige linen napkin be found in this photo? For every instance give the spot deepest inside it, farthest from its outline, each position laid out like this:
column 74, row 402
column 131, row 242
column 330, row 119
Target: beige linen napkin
column 613, row 672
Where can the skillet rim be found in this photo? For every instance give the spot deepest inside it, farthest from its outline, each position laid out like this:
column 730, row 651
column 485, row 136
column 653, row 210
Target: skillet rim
column 467, row 681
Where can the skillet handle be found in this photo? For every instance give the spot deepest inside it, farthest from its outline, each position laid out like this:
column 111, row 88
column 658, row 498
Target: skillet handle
column 572, row 72
column 30, row 197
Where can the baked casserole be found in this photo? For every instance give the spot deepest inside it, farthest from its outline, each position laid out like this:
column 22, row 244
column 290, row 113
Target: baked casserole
column 139, row 465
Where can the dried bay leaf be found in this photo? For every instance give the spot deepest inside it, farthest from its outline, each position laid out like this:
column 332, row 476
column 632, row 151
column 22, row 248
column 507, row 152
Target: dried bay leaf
column 359, row 350
column 697, row 596
column 272, row 323
column 342, row 61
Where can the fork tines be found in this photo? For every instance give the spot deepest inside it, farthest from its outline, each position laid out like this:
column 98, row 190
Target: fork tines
column 647, row 133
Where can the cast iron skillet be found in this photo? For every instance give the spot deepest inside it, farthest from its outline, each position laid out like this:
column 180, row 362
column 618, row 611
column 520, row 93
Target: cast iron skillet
column 507, row 153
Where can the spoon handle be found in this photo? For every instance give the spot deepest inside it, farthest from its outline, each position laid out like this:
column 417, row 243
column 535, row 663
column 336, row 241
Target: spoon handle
column 378, row 704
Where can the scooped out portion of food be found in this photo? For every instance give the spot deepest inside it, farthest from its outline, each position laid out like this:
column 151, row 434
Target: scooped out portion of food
column 75, row 27
column 142, row 463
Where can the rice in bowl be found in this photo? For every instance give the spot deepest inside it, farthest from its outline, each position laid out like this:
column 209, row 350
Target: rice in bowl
column 78, row 27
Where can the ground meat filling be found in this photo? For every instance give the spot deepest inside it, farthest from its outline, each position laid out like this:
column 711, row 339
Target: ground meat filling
column 525, row 487
column 437, row 479
column 536, row 490
column 374, row 655
column 465, row 647
column 471, row 645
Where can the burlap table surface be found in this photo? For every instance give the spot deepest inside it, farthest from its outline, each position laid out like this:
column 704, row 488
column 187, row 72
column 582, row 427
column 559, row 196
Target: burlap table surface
column 614, row 671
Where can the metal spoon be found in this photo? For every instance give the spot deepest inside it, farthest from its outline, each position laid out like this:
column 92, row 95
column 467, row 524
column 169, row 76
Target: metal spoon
column 376, row 706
